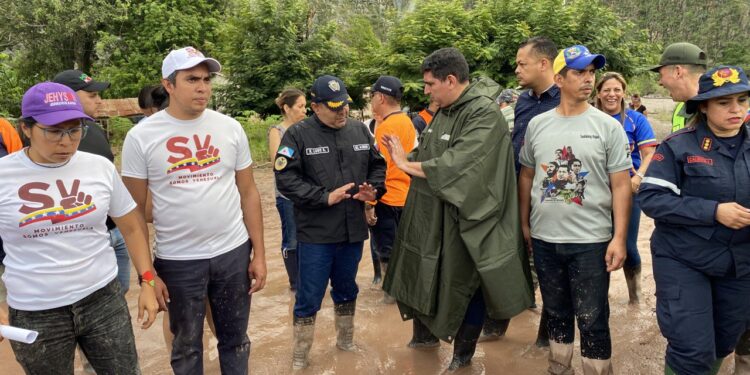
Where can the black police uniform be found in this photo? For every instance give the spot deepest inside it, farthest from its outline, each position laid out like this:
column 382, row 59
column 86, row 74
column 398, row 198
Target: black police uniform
column 701, row 267
column 313, row 160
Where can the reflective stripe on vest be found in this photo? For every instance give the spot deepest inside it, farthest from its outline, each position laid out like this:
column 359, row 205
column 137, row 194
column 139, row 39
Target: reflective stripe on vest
column 678, row 122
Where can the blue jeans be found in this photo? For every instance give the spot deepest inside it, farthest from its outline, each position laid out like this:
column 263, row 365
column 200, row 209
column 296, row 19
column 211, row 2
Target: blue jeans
column 288, row 225
column 123, row 259
column 224, row 280
column 701, row 314
column 633, row 259
column 574, row 282
column 99, row 323
column 318, row 263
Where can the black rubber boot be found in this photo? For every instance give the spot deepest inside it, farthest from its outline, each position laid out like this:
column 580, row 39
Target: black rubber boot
column 378, row 277
column 542, row 336
column 464, row 346
column 422, row 337
column 290, row 263
column 493, row 329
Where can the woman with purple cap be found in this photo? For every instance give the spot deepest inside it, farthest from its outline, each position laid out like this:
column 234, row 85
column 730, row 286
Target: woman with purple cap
column 696, row 191
column 60, row 270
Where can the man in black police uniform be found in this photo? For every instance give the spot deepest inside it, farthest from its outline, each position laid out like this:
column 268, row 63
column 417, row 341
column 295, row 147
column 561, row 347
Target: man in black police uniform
column 327, row 165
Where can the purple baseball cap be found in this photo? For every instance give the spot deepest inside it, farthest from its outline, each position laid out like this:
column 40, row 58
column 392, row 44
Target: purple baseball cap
column 51, row 103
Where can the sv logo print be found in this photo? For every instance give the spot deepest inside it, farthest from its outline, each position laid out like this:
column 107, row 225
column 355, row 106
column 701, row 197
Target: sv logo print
column 73, row 203
column 182, row 156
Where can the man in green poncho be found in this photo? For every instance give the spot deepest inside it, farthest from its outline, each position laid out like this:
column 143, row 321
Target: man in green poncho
column 459, row 250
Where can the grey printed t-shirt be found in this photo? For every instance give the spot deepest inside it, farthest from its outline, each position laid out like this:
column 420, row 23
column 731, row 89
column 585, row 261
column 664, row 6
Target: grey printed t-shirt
column 572, row 157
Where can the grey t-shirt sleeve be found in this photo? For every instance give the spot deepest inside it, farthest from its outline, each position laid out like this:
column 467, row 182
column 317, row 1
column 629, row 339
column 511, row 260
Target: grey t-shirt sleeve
column 526, row 155
column 618, row 150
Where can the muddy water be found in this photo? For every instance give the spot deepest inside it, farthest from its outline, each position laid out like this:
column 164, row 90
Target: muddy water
column 381, row 336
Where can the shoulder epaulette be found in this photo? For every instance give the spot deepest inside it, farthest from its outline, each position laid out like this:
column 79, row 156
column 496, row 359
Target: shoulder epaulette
column 685, row 130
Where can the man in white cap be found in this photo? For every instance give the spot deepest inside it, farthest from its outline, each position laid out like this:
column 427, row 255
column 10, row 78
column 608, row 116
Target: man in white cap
column 206, row 210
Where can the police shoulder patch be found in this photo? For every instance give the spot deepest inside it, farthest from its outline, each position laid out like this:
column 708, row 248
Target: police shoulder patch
column 286, row 151
column 280, row 163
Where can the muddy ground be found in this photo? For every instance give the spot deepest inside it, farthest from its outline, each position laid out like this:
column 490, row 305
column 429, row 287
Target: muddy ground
column 381, row 336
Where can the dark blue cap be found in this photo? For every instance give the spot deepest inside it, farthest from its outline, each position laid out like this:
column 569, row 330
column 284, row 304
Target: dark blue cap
column 330, row 91
column 720, row 81
column 389, row 85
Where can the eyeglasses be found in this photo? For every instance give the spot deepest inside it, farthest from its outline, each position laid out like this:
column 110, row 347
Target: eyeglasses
column 56, row 135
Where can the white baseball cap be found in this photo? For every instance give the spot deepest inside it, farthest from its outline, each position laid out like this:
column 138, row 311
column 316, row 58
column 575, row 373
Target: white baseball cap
column 186, row 58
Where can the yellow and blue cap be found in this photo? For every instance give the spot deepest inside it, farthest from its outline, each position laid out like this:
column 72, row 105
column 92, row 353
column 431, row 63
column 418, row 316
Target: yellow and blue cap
column 577, row 57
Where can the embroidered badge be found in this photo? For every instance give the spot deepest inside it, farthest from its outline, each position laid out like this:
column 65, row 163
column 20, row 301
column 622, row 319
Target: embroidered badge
column 362, row 147
column 657, row 157
column 706, row 144
column 699, row 159
column 572, row 53
column 725, row 75
column 334, row 86
column 286, row 151
column 445, row 137
column 280, row 163
column 317, row 150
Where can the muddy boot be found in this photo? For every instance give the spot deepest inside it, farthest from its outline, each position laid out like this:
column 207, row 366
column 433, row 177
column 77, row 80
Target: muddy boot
column 464, row 346
column 633, row 279
column 542, row 336
column 493, row 329
column 387, row 299
column 304, row 330
column 290, row 263
column 597, row 366
column 560, row 356
column 345, row 325
column 422, row 337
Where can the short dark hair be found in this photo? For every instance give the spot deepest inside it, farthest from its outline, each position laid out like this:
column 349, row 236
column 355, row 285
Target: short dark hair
column 153, row 97
column 145, row 100
column 160, row 97
column 445, row 62
column 541, row 46
column 573, row 161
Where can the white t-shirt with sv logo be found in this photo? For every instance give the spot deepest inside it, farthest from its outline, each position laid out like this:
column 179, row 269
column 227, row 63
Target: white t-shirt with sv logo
column 190, row 167
column 52, row 222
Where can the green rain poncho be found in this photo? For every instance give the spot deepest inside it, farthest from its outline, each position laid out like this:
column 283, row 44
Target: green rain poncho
column 460, row 227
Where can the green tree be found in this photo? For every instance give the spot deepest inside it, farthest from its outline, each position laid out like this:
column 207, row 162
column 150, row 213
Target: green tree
column 269, row 45
column 131, row 52
column 48, row 36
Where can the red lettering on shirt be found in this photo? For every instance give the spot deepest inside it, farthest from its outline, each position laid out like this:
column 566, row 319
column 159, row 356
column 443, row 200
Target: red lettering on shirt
column 700, row 160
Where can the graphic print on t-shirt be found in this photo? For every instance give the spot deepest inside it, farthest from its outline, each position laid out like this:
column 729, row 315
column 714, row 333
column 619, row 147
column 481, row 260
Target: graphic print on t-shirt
column 41, row 207
column 183, row 158
column 565, row 180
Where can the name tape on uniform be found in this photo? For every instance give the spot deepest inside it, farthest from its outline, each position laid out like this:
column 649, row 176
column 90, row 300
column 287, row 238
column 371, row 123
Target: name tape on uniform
column 362, row 147
column 317, row 150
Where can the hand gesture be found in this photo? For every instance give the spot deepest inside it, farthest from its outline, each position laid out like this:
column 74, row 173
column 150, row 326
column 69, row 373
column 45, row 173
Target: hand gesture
column 257, row 273
column 393, row 144
column 340, row 194
column 205, row 150
column 73, row 198
column 733, row 215
column 366, row 193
